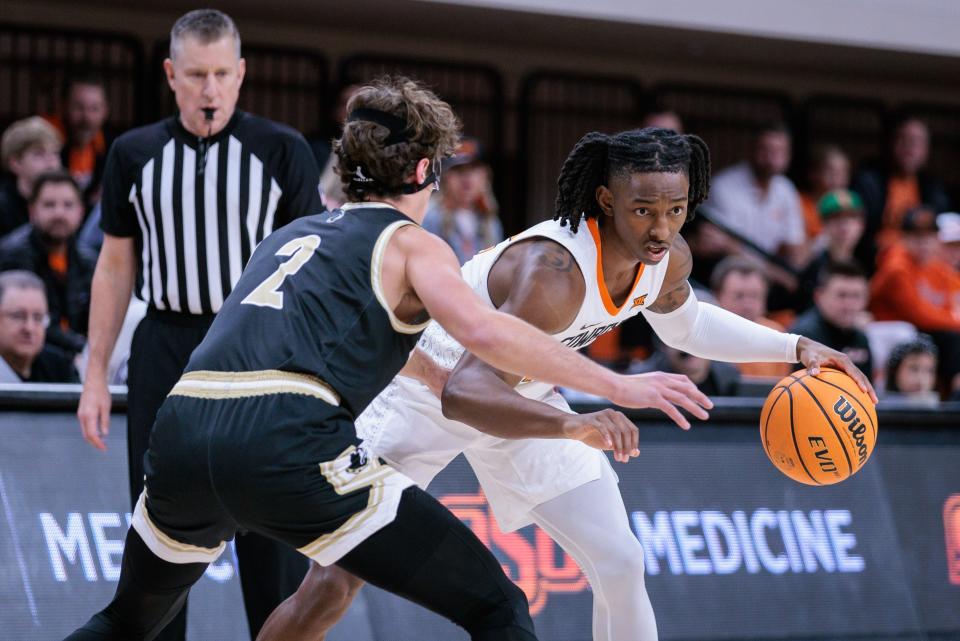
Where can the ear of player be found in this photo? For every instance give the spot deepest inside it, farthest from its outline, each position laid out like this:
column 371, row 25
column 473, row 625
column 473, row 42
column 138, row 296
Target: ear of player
column 818, row 430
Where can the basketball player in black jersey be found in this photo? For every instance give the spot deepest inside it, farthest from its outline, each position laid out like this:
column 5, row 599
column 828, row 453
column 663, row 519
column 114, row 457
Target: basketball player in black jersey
column 258, row 433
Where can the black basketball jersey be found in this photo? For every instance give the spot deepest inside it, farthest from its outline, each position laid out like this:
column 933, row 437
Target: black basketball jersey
column 310, row 301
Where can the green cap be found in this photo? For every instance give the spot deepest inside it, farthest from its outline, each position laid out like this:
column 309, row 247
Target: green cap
column 839, row 201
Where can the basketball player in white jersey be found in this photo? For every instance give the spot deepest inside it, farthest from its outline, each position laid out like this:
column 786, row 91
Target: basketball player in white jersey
column 615, row 252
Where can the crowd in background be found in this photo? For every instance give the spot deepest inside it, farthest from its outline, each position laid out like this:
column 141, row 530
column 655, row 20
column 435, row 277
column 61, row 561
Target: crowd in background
column 863, row 259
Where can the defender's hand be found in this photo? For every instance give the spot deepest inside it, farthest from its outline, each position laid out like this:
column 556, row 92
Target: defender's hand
column 815, row 355
column 605, row 430
column 94, row 412
column 664, row 392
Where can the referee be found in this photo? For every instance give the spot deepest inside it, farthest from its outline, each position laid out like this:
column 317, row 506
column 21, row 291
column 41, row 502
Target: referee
column 185, row 202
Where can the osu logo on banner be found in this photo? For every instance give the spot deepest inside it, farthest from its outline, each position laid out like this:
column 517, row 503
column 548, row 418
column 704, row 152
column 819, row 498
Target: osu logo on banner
column 539, row 566
column 951, row 527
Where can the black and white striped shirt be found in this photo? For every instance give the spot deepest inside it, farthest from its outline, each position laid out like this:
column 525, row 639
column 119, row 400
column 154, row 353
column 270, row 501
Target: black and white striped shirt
column 196, row 224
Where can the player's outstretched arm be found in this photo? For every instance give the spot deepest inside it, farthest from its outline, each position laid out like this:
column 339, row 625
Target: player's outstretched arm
column 512, row 345
column 708, row 331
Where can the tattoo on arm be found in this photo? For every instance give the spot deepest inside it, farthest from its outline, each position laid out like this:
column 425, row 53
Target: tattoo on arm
column 557, row 258
column 671, row 300
column 677, row 295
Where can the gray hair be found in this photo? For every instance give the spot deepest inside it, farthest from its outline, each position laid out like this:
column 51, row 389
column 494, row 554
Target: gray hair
column 19, row 279
column 206, row 25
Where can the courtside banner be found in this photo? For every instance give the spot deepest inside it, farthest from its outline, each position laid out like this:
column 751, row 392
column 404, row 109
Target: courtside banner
column 733, row 550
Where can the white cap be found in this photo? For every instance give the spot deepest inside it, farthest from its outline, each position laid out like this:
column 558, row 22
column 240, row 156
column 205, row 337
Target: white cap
column 948, row 227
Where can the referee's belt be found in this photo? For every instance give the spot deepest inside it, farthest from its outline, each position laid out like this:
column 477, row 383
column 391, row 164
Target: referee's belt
column 181, row 319
column 218, row 385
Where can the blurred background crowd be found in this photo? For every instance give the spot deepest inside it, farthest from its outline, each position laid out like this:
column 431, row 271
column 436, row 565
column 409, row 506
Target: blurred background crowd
column 834, row 217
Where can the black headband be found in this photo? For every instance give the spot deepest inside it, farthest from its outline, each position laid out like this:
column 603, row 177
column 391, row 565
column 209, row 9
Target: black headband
column 397, row 126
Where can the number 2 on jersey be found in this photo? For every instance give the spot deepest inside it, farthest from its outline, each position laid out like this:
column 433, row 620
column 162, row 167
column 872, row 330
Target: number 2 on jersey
column 267, row 293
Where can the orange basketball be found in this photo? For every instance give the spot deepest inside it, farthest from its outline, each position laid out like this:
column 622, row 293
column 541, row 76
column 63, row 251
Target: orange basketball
column 818, row 430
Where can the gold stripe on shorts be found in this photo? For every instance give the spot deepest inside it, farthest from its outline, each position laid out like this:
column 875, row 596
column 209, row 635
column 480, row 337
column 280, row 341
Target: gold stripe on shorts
column 220, row 385
column 352, row 524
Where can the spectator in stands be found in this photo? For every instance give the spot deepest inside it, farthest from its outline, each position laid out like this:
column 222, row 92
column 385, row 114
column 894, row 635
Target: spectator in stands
column 741, row 287
column 81, row 123
column 23, row 319
column 28, row 148
column 827, row 170
column 841, row 213
column 756, row 200
column 948, row 231
column 47, row 247
column 713, row 378
column 890, row 190
column 464, row 213
column 912, row 372
column 914, row 285
column 838, row 314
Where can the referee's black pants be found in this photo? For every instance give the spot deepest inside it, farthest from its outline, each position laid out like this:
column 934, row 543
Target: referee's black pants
column 269, row 571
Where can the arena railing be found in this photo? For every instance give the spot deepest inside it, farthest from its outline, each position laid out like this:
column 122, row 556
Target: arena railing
column 35, row 62
column 856, row 125
column 556, row 110
column 725, row 117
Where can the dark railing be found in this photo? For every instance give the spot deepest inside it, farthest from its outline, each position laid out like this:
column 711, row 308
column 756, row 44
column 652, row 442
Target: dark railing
column 556, row 110
column 855, row 125
column 727, row 410
column 35, row 63
column 726, row 118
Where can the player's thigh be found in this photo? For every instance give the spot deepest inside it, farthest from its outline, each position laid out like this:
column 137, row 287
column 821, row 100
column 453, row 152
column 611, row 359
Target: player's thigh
column 519, row 474
column 405, row 425
column 430, row 557
column 179, row 515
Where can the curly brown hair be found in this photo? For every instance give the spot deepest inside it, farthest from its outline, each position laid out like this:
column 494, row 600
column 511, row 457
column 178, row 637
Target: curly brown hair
column 433, row 131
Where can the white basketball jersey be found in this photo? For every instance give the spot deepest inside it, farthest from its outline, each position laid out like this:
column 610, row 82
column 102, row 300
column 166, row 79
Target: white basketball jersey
column 598, row 314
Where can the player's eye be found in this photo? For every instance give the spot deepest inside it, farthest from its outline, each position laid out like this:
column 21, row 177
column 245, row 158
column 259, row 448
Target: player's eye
column 641, row 211
column 677, row 211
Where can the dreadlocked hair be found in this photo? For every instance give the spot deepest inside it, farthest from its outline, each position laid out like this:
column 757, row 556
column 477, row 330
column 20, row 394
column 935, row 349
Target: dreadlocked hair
column 597, row 157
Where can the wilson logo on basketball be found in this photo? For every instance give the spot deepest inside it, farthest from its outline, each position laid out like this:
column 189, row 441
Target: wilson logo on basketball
column 848, row 414
column 538, row 566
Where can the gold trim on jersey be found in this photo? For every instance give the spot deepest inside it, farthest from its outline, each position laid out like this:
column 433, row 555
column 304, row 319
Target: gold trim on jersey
column 220, row 385
column 353, row 524
column 175, row 551
column 344, row 478
column 376, row 264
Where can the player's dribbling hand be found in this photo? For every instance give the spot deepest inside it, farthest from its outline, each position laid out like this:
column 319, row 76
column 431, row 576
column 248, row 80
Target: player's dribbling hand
column 665, row 392
column 815, row 355
column 605, row 430
column 94, row 412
